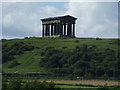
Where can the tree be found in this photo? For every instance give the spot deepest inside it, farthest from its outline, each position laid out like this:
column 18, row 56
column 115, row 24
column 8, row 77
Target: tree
column 88, row 76
column 15, row 83
column 14, row 64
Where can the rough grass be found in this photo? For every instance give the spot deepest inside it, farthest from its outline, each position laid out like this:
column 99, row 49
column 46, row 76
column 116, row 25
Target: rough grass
column 29, row 61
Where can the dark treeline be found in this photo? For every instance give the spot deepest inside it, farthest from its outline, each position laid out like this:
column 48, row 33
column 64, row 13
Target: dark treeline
column 20, row 84
column 82, row 62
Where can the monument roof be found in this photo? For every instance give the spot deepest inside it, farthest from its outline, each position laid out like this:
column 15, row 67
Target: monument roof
column 51, row 18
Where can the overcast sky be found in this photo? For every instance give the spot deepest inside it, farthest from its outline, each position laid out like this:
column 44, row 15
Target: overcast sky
column 94, row 19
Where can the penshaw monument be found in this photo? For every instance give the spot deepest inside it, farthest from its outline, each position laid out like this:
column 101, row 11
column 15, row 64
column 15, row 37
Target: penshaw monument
column 62, row 26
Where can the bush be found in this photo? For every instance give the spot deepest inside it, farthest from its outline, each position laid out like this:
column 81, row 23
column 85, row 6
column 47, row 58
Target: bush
column 4, row 82
column 64, row 47
column 19, row 84
column 26, row 37
column 16, row 48
column 97, row 38
column 77, row 47
column 15, row 84
column 3, row 40
column 38, row 85
column 88, row 76
column 94, row 46
column 105, row 76
column 42, row 53
column 14, row 64
column 76, row 41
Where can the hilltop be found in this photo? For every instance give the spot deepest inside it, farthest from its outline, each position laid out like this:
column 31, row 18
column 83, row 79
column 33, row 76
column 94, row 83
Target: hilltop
column 39, row 55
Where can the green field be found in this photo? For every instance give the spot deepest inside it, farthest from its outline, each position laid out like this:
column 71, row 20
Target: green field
column 73, row 87
column 68, row 86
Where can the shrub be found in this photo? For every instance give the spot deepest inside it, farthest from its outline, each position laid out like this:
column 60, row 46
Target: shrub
column 97, row 38
column 16, row 48
column 64, row 47
column 37, row 47
column 42, row 53
column 88, row 76
column 38, row 85
column 19, row 84
column 15, row 84
column 3, row 40
column 94, row 46
column 105, row 76
column 76, row 41
column 77, row 47
column 4, row 82
column 14, row 64
column 26, row 37
column 22, row 42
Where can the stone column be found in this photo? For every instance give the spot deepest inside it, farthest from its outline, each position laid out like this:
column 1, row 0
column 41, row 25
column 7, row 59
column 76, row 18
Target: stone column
column 48, row 29
column 73, row 29
column 61, row 29
column 68, row 30
column 43, row 30
column 55, row 29
column 64, row 29
column 70, row 27
column 51, row 29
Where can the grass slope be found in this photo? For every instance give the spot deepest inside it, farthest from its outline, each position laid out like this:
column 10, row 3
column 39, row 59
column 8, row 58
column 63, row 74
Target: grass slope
column 30, row 59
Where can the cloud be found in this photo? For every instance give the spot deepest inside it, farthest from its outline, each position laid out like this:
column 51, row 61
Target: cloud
column 23, row 19
column 8, row 20
column 94, row 19
column 60, row 1
column 0, row 20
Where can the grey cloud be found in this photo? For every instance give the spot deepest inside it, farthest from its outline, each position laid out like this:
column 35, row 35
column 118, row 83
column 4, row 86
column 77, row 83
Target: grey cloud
column 95, row 19
column 23, row 19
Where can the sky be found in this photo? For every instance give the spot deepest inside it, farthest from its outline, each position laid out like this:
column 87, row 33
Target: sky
column 94, row 19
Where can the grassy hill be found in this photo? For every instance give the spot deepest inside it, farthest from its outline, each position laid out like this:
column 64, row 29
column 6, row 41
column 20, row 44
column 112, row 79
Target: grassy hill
column 30, row 60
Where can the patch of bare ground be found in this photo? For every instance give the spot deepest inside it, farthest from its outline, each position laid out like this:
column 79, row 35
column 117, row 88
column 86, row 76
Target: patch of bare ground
column 88, row 82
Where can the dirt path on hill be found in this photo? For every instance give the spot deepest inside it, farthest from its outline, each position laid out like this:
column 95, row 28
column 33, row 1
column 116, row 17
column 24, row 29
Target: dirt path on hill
column 88, row 82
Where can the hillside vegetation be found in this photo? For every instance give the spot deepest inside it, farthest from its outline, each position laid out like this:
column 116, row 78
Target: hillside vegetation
column 62, row 57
